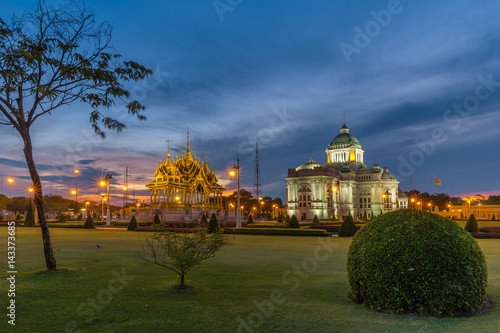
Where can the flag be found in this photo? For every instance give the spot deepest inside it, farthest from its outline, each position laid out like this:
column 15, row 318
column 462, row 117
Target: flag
column 438, row 182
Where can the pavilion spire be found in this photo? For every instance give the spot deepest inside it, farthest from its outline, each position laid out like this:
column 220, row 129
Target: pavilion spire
column 188, row 150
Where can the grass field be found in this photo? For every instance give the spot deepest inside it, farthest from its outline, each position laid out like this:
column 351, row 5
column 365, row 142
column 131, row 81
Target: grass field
column 308, row 286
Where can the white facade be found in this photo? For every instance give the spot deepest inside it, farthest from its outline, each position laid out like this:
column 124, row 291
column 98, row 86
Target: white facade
column 342, row 186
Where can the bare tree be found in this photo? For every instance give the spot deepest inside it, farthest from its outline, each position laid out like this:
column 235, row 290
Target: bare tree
column 179, row 252
column 51, row 58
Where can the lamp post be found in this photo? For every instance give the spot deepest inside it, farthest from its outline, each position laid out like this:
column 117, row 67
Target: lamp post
column 468, row 210
column 260, row 209
column 418, row 205
column 87, row 209
column 236, row 172
column 430, row 206
column 337, row 190
column 124, row 194
column 11, row 181
column 105, row 183
column 479, row 211
column 274, row 214
column 76, row 185
column 103, row 198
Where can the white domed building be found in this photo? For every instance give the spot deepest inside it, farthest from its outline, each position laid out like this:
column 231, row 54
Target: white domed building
column 343, row 185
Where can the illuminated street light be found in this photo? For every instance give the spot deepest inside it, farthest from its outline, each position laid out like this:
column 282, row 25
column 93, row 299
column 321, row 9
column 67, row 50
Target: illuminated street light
column 337, row 190
column 10, row 181
column 76, row 185
column 235, row 171
column 74, row 192
column 105, row 183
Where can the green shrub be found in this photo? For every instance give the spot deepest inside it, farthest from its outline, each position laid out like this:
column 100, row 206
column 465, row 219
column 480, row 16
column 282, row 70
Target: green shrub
column 364, row 218
column 287, row 219
column 348, row 228
column 204, row 221
column 133, row 226
column 493, row 217
column 156, row 219
column 294, row 223
column 30, row 216
column 79, row 217
column 471, row 225
column 315, row 219
column 89, row 223
column 62, row 219
column 213, row 224
column 250, row 219
column 411, row 261
column 280, row 218
column 19, row 217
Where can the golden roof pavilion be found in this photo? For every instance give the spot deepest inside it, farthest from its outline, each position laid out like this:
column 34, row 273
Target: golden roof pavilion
column 185, row 183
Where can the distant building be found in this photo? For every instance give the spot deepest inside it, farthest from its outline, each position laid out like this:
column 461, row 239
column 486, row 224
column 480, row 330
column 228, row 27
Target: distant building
column 315, row 189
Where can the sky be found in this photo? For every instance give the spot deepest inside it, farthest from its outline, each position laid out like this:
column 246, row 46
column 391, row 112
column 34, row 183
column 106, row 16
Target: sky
column 417, row 82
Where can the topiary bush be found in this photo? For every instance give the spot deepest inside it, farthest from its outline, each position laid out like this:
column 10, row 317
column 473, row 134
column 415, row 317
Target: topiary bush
column 280, row 218
column 315, row 219
column 213, row 224
column 348, row 228
column 19, row 217
column 89, row 223
column 493, row 217
column 30, row 216
column 471, row 225
column 62, row 218
column 132, row 226
column 410, row 261
column 250, row 219
column 204, row 221
column 287, row 219
column 156, row 219
column 294, row 223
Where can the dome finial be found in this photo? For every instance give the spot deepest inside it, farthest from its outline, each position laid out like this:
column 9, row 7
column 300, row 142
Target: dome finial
column 344, row 129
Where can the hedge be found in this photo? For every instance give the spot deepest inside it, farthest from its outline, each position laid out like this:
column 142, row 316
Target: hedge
column 276, row 232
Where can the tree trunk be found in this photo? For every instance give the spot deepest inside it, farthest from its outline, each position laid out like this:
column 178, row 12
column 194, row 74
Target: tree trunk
column 50, row 261
column 182, row 285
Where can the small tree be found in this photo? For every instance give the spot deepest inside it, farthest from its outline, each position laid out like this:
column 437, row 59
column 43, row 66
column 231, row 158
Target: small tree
column 315, row 219
column 250, row 219
column 179, row 252
column 287, row 219
column 213, row 224
column 133, row 226
column 89, row 223
column 156, row 220
column 29, row 221
column 493, row 217
column 471, row 225
column 62, row 218
column 280, row 218
column 348, row 228
column 294, row 223
column 204, row 221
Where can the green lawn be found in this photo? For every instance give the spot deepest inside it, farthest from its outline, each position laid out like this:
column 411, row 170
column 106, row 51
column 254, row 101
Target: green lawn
column 253, row 270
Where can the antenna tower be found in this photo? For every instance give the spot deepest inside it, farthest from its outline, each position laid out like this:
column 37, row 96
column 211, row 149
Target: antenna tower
column 257, row 186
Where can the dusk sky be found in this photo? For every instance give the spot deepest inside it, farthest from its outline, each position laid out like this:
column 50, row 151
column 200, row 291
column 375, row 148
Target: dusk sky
column 418, row 81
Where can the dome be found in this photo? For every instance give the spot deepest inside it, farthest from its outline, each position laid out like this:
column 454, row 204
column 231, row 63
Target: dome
column 311, row 164
column 344, row 140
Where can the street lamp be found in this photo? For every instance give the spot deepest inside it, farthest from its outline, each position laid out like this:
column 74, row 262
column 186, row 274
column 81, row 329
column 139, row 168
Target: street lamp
column 11, row 181
column 479, row 210
column 430, row 206
column 274, row 215
column 418, row 205
column 236, row 172
column 334, row 189
column 87, row 209
column 124, row 194
column 468, row 211
column 103, row 196
column 75, row 194
column 76, row 185
column 105, row 183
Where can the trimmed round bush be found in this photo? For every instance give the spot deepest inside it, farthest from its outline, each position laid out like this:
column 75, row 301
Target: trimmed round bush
column 411, row 261
column 294, row 223
column 133, row 226
column 89, row 223
column 471, row 225
column 62, row 218
column 348, row 228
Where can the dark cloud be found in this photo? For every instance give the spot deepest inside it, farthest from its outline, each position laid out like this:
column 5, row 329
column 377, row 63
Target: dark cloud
column 86, row 162
column 40, row 167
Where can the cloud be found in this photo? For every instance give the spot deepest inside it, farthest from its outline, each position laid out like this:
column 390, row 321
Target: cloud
column 86, row 162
